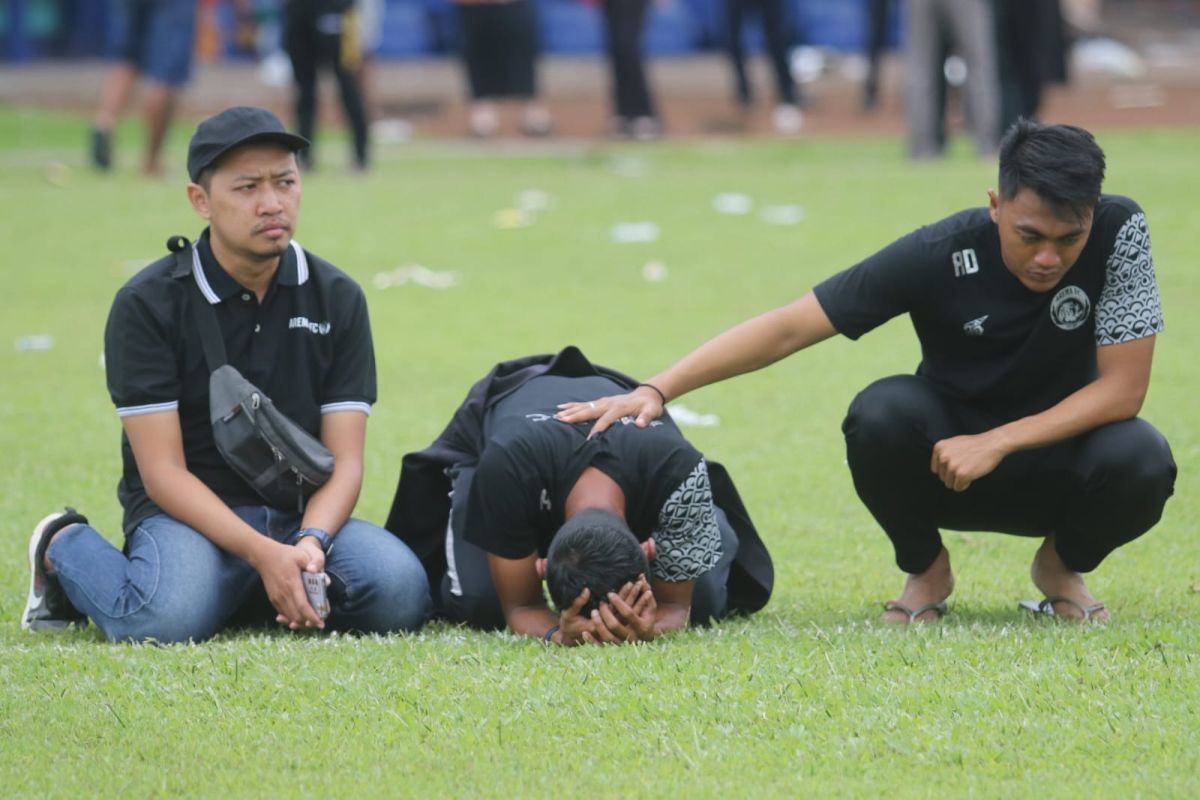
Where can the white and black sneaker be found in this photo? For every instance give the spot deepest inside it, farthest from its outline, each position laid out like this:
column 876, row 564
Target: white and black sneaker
column 48, row 607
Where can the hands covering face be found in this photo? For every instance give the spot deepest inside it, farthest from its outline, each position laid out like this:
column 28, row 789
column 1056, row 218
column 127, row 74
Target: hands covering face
column 624, row 617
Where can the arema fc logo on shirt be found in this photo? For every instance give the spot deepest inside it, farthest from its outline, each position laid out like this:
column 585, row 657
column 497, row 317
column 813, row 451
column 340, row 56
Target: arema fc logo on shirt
column 319, row 328
column 1070, row 308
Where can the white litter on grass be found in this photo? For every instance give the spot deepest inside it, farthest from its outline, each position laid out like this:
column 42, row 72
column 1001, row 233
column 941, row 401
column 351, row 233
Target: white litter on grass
column 691, row 419
column 509, row 218
column 37, row 341
column 58, row 174
column 533, row 200
column 654, row 272
column 102, row 362
column 391, row 130
column 628, row 166
column 418, row 274
column 634, row 232
column 782, row 215
column 732, row 203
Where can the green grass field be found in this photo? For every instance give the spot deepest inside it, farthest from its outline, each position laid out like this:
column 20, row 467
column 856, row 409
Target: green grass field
column 810, row 697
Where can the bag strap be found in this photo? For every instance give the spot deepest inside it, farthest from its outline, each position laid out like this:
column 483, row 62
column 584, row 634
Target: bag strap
column 205, row 316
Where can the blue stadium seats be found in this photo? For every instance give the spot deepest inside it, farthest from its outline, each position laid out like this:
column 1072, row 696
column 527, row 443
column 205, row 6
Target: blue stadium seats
column 566, row 26
column 406, row 31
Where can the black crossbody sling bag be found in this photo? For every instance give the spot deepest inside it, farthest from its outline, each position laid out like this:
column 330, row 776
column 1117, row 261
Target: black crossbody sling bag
column 283, row 462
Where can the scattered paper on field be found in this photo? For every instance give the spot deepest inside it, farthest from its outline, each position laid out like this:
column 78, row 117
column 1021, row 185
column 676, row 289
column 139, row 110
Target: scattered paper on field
column 732, row 203
column 58, row 174
column 509, row 218
column 782, row 215
column 688, row 418
column 628, row 166
column 634, row 232
column 418, row 274
column 533, row 200
column 654, row 272
column 34, row 342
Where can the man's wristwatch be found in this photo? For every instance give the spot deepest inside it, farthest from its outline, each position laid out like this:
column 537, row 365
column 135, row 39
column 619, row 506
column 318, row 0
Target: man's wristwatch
column 323, row 538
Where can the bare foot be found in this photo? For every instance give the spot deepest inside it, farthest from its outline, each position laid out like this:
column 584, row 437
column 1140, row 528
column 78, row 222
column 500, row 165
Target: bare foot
column 1055, row 579
column 928, row 588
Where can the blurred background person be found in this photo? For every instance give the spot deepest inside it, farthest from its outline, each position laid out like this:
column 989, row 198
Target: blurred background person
column 154, row 41
column 325, row 34
column 969, row 28
column 499, row 50
column 635, row 117
column 786, row 117
column 1031, row 52
column 370, row 15
column 876, row 40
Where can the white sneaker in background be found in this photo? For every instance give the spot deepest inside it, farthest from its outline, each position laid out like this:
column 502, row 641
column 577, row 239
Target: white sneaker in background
column 787, row 119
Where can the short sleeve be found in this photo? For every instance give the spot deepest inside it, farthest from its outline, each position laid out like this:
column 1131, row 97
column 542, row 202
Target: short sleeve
column 350, row 383
column 687, row 540
column 870, row 293
column 140, row 361
column 497, row 518
column 1129, row 307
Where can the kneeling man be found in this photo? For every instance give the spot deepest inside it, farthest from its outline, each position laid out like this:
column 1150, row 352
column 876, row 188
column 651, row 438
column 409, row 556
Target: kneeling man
column 634, row 531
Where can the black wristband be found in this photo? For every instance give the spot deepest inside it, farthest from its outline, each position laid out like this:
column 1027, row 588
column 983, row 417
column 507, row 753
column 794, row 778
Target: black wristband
column 655, row 388
column 322, row 536
column 548, row 636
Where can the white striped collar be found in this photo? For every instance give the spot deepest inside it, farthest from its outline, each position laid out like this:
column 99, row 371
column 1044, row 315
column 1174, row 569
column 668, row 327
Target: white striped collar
column 211, row 296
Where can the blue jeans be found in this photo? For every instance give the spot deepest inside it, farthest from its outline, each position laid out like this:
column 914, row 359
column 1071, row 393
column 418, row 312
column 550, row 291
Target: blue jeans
column 173, row 585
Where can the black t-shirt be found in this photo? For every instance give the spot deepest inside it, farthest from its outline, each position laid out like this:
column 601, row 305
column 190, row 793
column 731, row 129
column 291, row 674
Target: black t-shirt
column 307, row 346
column 985, row 338
column 531, row 461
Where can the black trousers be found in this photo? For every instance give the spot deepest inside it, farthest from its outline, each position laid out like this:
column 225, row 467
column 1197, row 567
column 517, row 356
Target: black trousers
column 499, row 47
column 1094, row 492
column 624, row 21
column 468, row 595
column 775, row 30
column 314, row 40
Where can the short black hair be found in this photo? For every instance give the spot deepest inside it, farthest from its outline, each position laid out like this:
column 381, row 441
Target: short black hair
column 205, row 177
column 1062, row 164
column 593, row 549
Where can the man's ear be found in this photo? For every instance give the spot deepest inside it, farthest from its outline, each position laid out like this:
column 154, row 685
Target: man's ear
column 540, row 564
column 199, row 200
column 650, row 549
column 994, row 205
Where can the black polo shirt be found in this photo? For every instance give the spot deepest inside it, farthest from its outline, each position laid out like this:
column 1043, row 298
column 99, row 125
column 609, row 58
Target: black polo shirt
column 307, row 346
column 985, row 338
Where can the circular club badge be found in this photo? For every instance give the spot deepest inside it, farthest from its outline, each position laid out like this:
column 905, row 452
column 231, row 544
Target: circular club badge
column 1070, row 308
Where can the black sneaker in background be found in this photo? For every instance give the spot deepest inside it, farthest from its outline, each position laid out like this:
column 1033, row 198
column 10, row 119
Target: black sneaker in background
column 101, row 150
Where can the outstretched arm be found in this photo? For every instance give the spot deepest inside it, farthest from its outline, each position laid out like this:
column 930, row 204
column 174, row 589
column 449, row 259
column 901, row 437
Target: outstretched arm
column 1116, row 394
column 746, row 347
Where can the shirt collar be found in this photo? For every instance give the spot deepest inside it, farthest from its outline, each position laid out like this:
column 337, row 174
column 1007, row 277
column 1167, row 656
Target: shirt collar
column 216, row 284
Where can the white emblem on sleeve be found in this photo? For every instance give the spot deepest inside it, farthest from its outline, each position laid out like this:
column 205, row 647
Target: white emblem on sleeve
column 1070, row 308
column 975, row 326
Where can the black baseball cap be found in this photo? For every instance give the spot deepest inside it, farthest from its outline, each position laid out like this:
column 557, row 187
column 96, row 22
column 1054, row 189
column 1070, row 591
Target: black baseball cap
column 217, row 135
